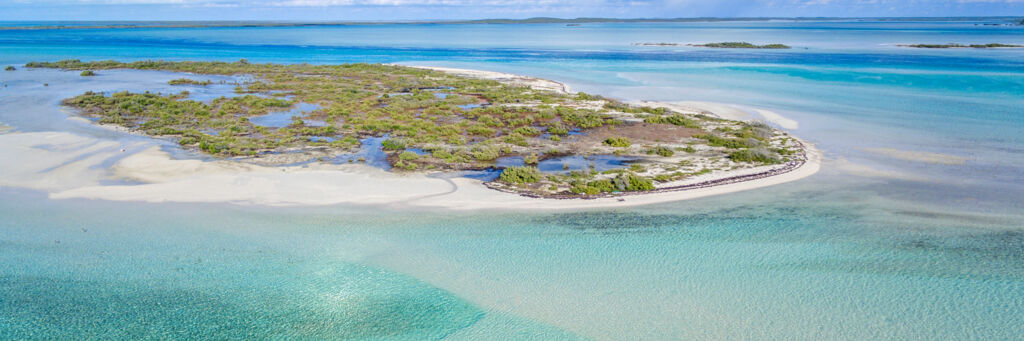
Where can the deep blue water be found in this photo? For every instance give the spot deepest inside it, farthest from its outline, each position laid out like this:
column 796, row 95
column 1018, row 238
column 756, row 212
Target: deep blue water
column 873, row 247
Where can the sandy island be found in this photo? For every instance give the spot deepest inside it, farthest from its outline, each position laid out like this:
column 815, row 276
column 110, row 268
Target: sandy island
column 72, row 166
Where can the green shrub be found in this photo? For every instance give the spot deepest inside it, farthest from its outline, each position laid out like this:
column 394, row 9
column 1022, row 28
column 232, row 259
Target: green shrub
column 669, row 177
column 392, row 144
column 406, row 165
column 661, row 151
column 9, row 68
column 584, row 119
column 531, row 159
column 623, row 107
column 617, row 142
column 481, row 130
column 528, row 131
column 485, row 153
column 754, row 155
column 784, row 151
column 442, row 154
column 731, row 143
column 407, row 155
column 584, row 189
column 517, row 139
column 457, row 140
column 632, row 182
column 181, row 81
column 213, row 147
column 188, row 140
column 558, row 130
column 677, row 119
column 520, row 175
column 87, row 73
column 604, row 185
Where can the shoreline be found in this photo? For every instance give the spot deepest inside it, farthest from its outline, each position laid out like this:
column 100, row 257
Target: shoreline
column 194, row 181
column 165, row 179
column 533, row 82
column 687, row 185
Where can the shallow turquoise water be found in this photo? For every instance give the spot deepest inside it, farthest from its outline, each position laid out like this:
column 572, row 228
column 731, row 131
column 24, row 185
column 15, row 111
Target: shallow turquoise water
column 764, row 264
column 935, row 254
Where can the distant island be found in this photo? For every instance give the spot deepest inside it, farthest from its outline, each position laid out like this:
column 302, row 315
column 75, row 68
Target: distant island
column 723, row 45
column 961, row 46
column 427, row 120
column 740, row 45
column 658, row 44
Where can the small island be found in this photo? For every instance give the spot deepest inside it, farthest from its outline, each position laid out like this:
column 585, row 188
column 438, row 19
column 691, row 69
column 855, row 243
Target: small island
column 961, row 46
column 740, row 45
column 723, row 45
column 542, row 142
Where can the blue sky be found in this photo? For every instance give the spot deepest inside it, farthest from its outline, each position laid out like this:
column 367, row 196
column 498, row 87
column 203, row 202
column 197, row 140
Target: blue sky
column 326, row 10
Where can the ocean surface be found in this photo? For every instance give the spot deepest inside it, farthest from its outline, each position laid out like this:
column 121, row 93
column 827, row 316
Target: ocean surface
column 913, row 230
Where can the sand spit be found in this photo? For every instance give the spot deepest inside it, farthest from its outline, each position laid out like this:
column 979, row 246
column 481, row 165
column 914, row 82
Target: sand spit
column 236, row 182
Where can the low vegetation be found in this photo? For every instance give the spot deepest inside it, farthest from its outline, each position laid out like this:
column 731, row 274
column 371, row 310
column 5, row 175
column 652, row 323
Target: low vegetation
column 676, row 119
column 9, row 68
column 521, row 175
column 187, row 81
column 87, row 73
column 620, row 142
column 661, row 151
column 624, row 182
column 758, row 154
column 453, row 123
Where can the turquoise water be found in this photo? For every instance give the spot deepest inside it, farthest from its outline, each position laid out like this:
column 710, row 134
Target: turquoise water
column 908, row 250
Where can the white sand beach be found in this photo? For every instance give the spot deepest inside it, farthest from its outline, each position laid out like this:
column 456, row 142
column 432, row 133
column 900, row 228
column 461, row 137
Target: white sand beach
column 536, row 83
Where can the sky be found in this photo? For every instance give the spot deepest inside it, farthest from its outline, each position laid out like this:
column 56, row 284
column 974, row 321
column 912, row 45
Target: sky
column 345, row 10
